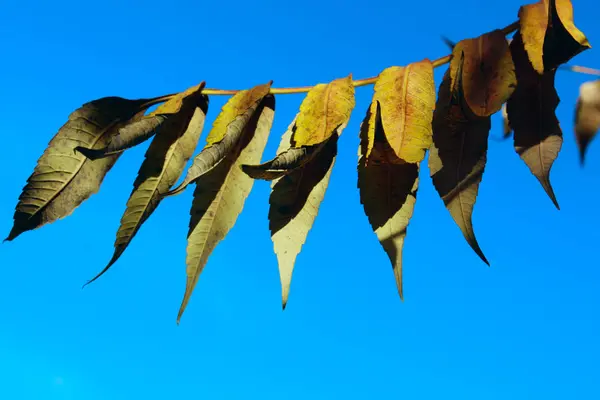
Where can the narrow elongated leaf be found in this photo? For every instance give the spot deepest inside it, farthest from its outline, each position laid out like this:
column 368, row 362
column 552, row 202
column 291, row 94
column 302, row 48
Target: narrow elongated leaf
column 587, row 116
column 488, row 72
column 549, row 34
column 294, row 203
column 325, row 108
column 404, row 99
column 220, row 195
column 458, row 156
column 139, row 131
column 506, row 128
column 166, row 158
column 226, row 133
column 388, row 189
column 63, row 178
column 531, row 112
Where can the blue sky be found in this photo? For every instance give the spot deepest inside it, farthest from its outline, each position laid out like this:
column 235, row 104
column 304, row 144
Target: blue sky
column 526, row 328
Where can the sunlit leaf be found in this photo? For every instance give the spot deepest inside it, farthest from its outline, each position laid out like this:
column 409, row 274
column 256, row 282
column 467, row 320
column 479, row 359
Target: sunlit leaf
column 220, row 195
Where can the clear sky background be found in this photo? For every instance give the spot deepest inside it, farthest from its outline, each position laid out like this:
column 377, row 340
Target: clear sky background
column 526, row 328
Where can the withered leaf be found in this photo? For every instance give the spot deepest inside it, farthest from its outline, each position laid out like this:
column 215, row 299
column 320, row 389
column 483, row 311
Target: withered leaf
column 404, row 99
column 63, row 178
column 531, row 112
column 549, row 34
column 165, row 160
column 458, row 156
column 220, row 195
column 294, row 203
column 226, row 133
column 388, row 189
column 488, row 72
column 587, row 116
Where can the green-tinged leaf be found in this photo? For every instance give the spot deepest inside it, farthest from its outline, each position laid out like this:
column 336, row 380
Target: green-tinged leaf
column 226, row 133
column 166, row 158
column 388, row 190
column 63, row 178
column 587, row 116
column 220, row 195
column 457, row 158
column 294, row 204
column 139, row 131
column 531, row 112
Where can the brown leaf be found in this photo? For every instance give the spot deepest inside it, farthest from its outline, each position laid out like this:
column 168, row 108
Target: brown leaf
column 488, row 72
column 587, row 116
column 549, row 34
column 458, row 156
column 531, row 112
column 388, row 189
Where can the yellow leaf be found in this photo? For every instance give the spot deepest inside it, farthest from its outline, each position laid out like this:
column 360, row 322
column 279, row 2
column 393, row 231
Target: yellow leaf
column 220, row 195
column 488, row 72
column 63, row 178
column 226, row 133
column 165, row 160
column 587, row 115
column 325, row 108
column 388, row 188
column 457, row 158
column 174, row 104
column 406, row 98
column 294, row 203
column 549, row 34
column 531, row 112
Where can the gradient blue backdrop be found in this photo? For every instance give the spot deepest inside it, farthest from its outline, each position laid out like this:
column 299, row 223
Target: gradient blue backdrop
column 526, row 328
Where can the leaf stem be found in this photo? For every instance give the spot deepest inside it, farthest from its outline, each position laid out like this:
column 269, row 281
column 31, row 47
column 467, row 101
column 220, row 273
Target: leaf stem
column 581, row 70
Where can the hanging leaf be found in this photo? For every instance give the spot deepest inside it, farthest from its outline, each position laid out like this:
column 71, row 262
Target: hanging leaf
column 587, row 116
column 388, row 189
column 549, row 34
column 220, row 195
column 325, row 108
column 531, row 112
column 63, row 178
column 488, row 72
column 294, row 203
column 404, row 100
column 165, row 160
column 458, row 156
column 226, row 133
column 325, row 111
column 139, row 131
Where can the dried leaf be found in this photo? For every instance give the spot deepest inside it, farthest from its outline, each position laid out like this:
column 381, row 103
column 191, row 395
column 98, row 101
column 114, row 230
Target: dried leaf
column 506, row 128
column 488, row 75
column 63, row 178
column 287, row 161
column 549, row 34
column 220, row 195
column 405, row 97
column 226, row 133
column 388, row 189
column 139, row 131
column 166, row 158
column 587, row 116
column 531, row 112
column 458, row 156
column 294, row 203
column 325, row 108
